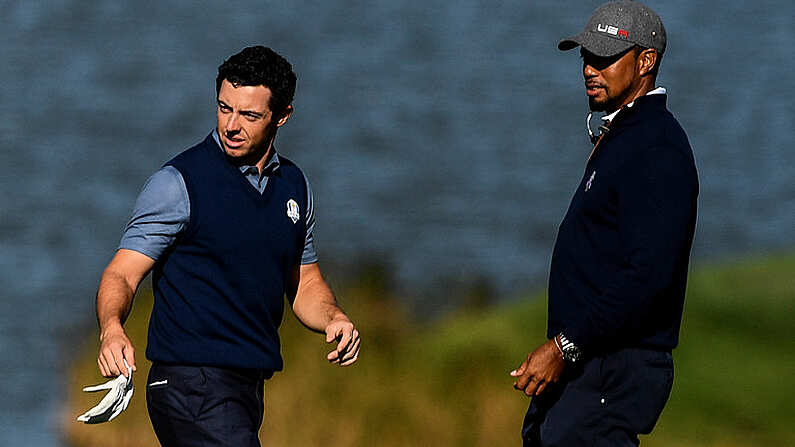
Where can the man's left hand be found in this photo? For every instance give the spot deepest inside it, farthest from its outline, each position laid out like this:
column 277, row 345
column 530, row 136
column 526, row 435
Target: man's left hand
column 542, row 367
column 348, row 341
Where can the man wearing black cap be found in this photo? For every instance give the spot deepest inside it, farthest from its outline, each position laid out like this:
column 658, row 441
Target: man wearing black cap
column 619, row 267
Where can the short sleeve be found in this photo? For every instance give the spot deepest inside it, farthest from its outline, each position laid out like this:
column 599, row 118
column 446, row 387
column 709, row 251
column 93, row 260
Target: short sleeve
column 161, row 213
column 309, row 255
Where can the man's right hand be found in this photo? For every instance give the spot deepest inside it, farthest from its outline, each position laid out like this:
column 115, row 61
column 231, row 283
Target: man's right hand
column 541, row 368
column 114, row 301
column 115, row 347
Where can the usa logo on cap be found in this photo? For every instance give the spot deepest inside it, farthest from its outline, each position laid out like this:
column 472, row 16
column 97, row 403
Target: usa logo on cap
column 613, row 30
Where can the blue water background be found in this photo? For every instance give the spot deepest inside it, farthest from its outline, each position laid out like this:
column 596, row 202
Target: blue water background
column 443, row 138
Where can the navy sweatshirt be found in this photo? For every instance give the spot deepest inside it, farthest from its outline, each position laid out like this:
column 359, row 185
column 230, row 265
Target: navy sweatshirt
column 219, row 290
column 619, row 267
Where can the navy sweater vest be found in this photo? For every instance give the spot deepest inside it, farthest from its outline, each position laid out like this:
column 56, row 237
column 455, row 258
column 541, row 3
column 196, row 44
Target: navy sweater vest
column 219, row 291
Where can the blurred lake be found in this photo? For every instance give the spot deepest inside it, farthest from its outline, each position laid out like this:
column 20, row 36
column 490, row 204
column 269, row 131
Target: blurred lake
column 443, row 139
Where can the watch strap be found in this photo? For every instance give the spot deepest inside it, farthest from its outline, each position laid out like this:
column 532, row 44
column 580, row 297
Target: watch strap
column 570, row 351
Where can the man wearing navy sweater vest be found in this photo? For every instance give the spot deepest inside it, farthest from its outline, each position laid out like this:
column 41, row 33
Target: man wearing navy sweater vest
column 619, row 266
column 226, row 229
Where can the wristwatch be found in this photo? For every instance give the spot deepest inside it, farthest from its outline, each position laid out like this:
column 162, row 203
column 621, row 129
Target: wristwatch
column 570, row 352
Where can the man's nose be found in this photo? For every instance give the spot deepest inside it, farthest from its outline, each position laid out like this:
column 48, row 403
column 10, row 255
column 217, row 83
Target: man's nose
column 588, row 71
column 233, row 125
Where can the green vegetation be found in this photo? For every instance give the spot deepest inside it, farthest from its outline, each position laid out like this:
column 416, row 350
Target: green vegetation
column 447, row 383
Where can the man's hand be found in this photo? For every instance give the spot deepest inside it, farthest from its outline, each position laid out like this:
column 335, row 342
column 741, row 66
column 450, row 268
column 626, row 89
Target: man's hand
column 114, row 301
column 348, row 341
column 542, row 366
column 316, row 307
column 114, row 349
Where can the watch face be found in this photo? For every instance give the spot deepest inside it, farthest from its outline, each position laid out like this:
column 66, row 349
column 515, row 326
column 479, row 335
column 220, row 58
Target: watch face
column 571, row 354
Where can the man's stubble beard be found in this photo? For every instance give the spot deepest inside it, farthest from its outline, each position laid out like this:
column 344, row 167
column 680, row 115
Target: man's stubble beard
column 595, row 106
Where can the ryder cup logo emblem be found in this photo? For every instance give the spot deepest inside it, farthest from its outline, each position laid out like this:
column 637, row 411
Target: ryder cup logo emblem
column 590, row 181
column 292, row 210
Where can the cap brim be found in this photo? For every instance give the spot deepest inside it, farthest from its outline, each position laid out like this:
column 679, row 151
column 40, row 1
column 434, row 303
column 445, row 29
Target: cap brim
column 598, row 44
column 568, row 44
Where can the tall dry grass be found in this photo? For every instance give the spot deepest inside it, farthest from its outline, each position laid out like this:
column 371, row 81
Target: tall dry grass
column 446, row 383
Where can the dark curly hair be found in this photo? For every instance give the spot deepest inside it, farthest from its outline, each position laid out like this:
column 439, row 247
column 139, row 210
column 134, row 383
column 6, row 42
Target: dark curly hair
column 260, row 65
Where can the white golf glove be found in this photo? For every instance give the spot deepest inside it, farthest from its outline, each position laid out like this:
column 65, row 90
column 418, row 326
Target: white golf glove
column 116, row 401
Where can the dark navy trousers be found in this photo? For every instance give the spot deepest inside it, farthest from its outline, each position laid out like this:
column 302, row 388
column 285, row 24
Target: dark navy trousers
column 202, row 406
column 607, row 401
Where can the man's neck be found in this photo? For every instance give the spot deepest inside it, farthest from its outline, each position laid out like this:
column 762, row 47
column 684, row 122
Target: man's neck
column 264, row 160
column 256, row 160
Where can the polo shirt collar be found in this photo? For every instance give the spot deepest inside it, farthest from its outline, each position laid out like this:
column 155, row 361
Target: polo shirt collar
column 656, row 91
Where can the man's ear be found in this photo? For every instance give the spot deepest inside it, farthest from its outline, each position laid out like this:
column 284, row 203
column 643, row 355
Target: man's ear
column 288, row 111
column 647, row 61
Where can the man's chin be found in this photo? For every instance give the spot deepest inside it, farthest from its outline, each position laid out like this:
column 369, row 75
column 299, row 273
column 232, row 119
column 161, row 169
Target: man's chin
column 234, row 151
column 596, row 105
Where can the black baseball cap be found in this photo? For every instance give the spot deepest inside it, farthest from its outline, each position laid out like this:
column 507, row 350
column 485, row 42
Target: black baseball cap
column 617, row 26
